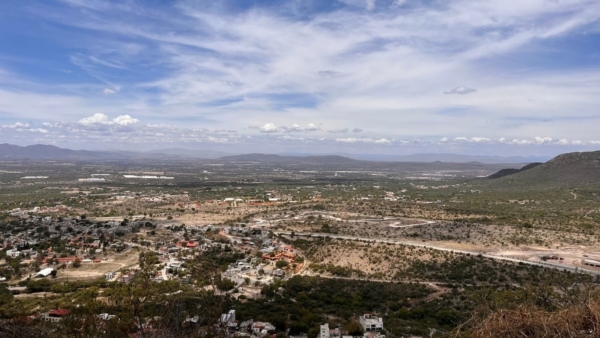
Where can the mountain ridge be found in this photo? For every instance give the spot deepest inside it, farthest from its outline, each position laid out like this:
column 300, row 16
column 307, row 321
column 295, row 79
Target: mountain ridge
column 575, row 168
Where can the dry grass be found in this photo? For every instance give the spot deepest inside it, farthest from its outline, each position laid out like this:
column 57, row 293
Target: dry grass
column 582, row 320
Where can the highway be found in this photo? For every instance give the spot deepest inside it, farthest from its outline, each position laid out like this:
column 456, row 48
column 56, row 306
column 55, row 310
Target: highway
column 435, row 247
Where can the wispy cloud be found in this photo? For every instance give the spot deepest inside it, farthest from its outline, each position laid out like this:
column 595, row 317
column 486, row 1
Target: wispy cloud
column 461, row 90
column 378, row 65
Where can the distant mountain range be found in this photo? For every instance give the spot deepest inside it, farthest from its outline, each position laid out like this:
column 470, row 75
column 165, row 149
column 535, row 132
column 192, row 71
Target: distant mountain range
column 272, row 158
column 41, row 151
column 202, row 153
column 442, row 157
column 570, row 169
column 455, row 158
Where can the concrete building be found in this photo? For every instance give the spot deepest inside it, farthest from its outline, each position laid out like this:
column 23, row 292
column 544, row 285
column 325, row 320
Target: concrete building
column 109, row 276
column 13, row 253
column 324, row 332
column 371, row 323
column 92, row 180
column 228, row 319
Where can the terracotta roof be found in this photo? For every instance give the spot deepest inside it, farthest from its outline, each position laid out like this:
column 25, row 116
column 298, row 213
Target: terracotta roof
column 58, row 312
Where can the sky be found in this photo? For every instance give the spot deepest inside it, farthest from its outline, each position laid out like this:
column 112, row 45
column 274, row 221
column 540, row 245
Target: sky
column 485, row 77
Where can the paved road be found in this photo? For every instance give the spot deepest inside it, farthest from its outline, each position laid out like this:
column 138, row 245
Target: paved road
column 435, row 247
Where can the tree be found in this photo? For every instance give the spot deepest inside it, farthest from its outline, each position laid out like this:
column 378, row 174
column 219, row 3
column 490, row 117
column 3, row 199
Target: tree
column 354, row 328
column 281, row 264
column 77, row 263
column 5, row 295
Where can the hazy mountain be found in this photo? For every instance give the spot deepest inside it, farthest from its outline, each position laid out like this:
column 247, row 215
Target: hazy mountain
column 272, row 158
column 570, row 168
column 449, row 158
column 41, row 151
column 192, row 153
column 506, row 172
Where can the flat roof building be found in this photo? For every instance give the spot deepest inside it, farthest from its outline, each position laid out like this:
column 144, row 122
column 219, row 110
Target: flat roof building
column 324, row 332
column 370, row 322
column 44, row 273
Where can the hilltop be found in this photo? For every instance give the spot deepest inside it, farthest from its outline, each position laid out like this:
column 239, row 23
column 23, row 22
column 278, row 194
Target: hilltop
column 572, row 169
column 506, row 172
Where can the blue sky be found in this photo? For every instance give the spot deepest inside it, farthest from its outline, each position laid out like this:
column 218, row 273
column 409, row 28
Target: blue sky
column 502, row 77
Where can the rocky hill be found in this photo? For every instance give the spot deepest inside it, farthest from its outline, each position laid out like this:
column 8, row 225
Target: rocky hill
column 506, row 172
column 571, row 169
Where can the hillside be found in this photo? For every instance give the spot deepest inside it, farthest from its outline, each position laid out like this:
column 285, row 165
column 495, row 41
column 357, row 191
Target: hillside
column 570, row 169
column 506, row 172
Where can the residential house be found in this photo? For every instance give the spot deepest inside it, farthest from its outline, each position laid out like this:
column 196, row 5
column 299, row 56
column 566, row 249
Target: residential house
column 55, row 315
column 371, row 322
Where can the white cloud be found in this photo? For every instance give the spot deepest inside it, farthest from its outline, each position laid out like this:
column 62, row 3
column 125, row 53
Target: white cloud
column 291, row 138
column 381, row 70
column 312, row 127
column 269, row 128
column 217, row 140
column 515, row 141
column 480, row 139
column 363, row 140
column 398, row 3
column 347, row 140
column 124, row 120
column 470, row 140
column 543, row 140
column 293, row 128
column 23, row 127
column 339, row 131
column 576, row 142
column 38, row 130
column 272, row 128
column 102, row 119
column 562, row 142
column 461, row 91
column 370, row 5
column 97, row 118
column 16, row 125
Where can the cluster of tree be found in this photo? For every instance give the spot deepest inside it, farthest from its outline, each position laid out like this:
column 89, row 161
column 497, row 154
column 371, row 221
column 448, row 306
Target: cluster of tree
column 301, row 304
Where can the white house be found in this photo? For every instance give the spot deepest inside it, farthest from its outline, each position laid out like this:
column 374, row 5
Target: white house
column 55, row 315
column 324, row 331
column 109, row 275
column 371, row 323
column 13, row 253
